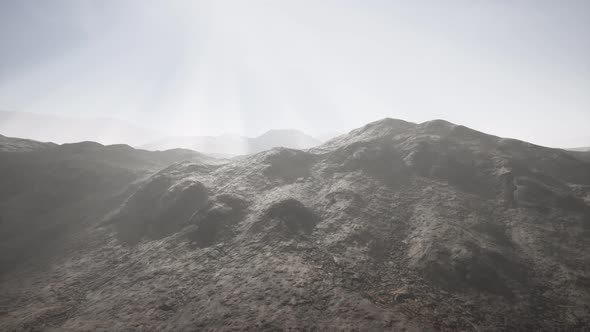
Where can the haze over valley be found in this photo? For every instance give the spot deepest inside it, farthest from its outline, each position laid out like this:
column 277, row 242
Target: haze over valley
column 226, row 165
column 64, row 129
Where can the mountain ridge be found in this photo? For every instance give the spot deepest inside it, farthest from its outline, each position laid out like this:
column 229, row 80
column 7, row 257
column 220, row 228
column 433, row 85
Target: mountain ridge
column 396, row 225
column 64, row 129
column 13, row 144
column 231, row 145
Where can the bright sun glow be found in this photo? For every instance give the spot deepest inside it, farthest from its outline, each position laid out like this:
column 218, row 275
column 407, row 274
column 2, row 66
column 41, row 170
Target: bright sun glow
column 243, row 67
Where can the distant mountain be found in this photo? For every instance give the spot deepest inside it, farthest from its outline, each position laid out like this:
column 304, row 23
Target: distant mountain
column 282, row 138
column 585, row 148
column 232, row 145
column 62, row 129
column 12, row 144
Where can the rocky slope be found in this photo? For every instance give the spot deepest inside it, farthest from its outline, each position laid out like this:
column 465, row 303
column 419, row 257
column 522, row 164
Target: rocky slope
column 45, row 189
column 394, row 226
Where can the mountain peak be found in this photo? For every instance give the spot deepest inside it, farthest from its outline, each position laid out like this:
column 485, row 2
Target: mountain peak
column 283, row 132
column 389, row 122
column 438, row 123
column 379, row 129
column 293, row 131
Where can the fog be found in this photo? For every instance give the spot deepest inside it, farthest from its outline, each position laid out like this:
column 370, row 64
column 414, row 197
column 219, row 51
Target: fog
column 274, row 165
column 193, row 68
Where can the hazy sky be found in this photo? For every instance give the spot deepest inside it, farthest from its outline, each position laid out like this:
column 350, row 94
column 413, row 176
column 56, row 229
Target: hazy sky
column 512, row 68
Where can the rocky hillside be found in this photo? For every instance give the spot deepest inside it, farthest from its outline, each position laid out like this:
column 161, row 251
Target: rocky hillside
column 394, row 226
column 46, row 189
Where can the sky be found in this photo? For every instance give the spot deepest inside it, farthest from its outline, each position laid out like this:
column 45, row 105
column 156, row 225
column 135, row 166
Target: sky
column 518, row 68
